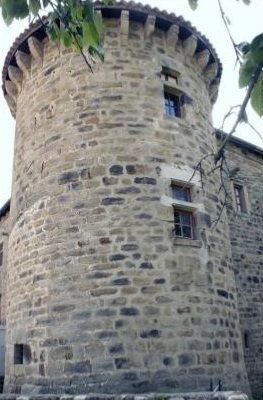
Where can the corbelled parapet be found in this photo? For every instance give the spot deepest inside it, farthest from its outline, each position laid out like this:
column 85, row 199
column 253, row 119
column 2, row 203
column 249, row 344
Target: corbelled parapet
column 177, row 31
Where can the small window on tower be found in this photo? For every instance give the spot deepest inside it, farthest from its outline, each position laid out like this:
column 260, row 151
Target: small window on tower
column 169, row 75
column 246, row 340
column 180, row 192
column 22, row 354
column 183, row 215
column 172, row 104
column 173, row 96
column 18, row 353
column 239, row 198
column 183, row 224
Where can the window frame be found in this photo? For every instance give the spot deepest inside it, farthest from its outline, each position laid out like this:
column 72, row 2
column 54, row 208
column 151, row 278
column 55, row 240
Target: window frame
column 240, row 201
column 182, row 226
column 18, row 354
column 182, row 207
column 172, row 104
column 171, row 93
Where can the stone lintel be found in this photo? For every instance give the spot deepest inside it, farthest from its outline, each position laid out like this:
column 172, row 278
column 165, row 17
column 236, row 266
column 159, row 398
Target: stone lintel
column 36, row 48
column 149, row 26
column 202, row 58
column 16, row 76
column 124, row 25
column 172, row 35
column 190, row 45
column 23, row 61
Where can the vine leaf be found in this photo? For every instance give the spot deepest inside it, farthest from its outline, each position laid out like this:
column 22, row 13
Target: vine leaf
column 252, row 62
column 257, row 96
column 193, row 4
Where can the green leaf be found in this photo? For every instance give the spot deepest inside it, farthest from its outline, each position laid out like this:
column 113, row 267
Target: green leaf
column 244, row 47
column 53, row 32
column 245, row 72
column 257, row 55
column 256, row 98
column 247, row 2
column 34, row 6
column 90, row 34
column 6, row 16
column 98, row 21
column 22, row 10
column 96, row 50
column 109, row 2
column 193, row 4
column 65, row 37
column 257, row 42
column 88, row 11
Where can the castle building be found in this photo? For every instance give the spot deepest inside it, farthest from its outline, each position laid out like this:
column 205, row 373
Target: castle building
column 114, row 276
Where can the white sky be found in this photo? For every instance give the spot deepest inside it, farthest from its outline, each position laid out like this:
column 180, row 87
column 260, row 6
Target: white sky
column 246, row 22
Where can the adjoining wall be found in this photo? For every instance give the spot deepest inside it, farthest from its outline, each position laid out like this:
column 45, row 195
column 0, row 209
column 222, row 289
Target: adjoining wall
column 246, row 234
column 101, row 295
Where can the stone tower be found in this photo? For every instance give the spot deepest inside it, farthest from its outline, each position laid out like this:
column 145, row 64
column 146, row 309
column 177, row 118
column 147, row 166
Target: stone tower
column 115, row 281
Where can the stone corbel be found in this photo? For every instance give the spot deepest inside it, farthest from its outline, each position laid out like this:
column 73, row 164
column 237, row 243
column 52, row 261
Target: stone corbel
column 124, row 26
column 172, row 35
column 210, row 72
column 16, row 76
column 11, row 104
column 190, row 45
column 11, row 90
column 202, row 58
column 23, row 61
column 149, row 26
column 36, row 48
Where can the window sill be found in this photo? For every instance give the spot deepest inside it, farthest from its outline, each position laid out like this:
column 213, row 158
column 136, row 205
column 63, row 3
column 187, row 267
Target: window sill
column 243, row 214
column 172, row 117
column 187, row 242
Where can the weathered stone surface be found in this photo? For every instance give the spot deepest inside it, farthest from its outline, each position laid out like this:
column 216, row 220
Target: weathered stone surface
column 97, row 285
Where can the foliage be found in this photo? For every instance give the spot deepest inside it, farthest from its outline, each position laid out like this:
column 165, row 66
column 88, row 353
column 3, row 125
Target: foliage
column 74, row 22
column 251, row 65
column 251, row 68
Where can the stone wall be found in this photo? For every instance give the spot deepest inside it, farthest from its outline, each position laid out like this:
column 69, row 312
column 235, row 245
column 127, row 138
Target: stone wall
column 246, row 233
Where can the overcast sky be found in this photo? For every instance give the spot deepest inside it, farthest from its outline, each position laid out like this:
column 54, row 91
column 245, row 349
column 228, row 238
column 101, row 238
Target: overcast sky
column 246, row 22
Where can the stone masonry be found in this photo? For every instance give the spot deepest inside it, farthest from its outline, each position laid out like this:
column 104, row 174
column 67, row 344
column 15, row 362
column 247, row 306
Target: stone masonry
column 100, row 294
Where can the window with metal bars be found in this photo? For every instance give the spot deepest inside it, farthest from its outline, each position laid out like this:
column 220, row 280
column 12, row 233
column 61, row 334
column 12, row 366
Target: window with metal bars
column 239, row 198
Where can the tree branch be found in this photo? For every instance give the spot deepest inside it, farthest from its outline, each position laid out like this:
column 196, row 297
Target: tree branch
column 241, row 113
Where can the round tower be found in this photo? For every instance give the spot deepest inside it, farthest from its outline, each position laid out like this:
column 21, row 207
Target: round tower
column 116, row 282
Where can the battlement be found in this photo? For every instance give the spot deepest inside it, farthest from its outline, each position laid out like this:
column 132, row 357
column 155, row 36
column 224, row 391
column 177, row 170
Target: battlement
column 171, row 31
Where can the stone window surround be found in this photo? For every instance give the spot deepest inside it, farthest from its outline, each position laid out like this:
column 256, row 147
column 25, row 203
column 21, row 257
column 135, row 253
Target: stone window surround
column 182, row 175
column 245, row 199
column 171, row 86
